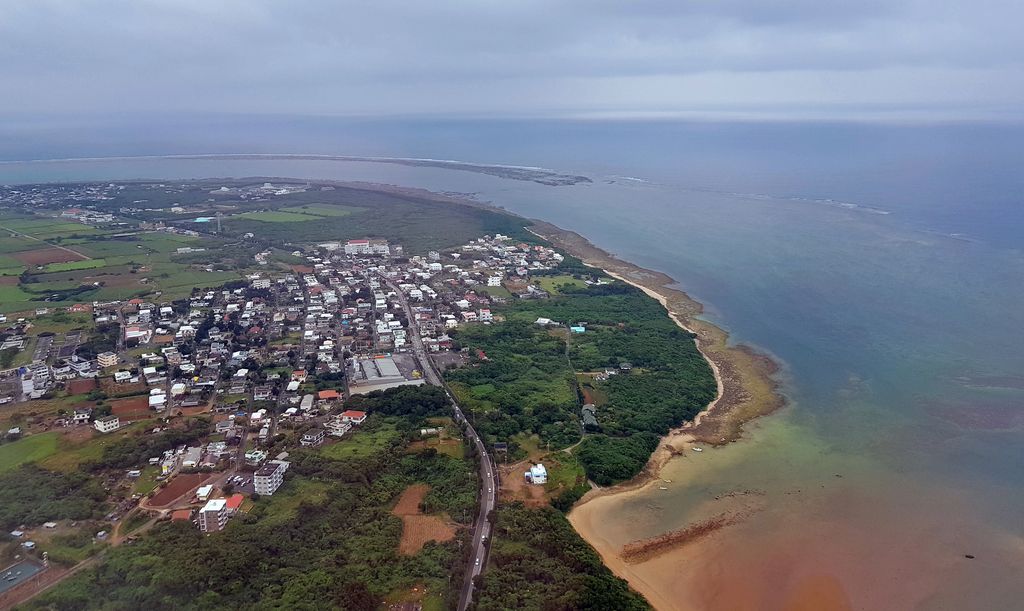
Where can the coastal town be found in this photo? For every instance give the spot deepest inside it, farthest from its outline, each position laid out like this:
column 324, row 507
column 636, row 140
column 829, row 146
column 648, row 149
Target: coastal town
column 225, row 382
column 198, row 357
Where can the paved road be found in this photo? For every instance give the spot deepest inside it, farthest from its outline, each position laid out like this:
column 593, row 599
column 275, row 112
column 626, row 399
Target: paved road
column 482, row 526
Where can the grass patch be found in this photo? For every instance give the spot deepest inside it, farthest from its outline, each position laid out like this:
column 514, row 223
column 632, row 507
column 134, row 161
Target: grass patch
column 61, row 322
column 72, row 548
column 68, row 460
column 147, row 482
column 275, row 216
column 531, row 445
column 496, row 291
column 551, row 284
column 137, row 519
column 284, row 505
column 28, row 449
column 11, row 294
column 323, row 210
column 74, row 265
column 363, row 443
column 564, row 472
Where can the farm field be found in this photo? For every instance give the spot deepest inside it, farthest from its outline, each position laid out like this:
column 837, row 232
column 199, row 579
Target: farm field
column 100, row 267
column 323, row 210
column 44, row 256
column 178, row 486
column 276, row 216
column 75, row 265
column 418, row 528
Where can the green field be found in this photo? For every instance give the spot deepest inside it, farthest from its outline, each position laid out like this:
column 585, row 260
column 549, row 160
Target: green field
column 27, row 449
column 496, row 291
column 70, row 457
column 363, row 443
column 564, row 472
column 551, row 283
column 60, row 322
column 9, row 266
column 75, row 265
column 275, row 217
column 323, row 210
column 9, row 243
column 284, row 505
column 124, row 267
column 11, row 294
column 147, row 481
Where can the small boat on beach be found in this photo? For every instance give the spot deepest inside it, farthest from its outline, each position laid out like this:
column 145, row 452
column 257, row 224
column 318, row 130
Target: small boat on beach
column 698, row 449
column 663, row 488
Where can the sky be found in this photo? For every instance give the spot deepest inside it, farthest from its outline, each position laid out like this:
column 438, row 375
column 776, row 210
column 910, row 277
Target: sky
column 954, row 59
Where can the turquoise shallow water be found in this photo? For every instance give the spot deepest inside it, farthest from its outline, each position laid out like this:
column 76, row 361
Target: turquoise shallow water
column 882, row 266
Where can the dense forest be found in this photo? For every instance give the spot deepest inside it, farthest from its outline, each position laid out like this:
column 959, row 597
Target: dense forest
column 325, row 539
column 519, row 382
column 30, row 496
column 538, row 561
column 658, row 379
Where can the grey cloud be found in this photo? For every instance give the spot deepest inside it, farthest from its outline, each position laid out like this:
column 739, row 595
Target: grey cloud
column 317, row 56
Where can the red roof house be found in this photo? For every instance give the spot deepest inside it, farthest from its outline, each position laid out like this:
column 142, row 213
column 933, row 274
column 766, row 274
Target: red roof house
column 234, row 502
column 353, row 415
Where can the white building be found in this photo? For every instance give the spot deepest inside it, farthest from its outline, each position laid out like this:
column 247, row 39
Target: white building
column 313, row 437
column 269, row 477
column 107, row 359
column 192, row 457
column 213, row 516
column 367, row 247
column 107, row 424
column 537, row 474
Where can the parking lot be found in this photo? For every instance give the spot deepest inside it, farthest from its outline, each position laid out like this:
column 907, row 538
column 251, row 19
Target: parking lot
column 18, row 573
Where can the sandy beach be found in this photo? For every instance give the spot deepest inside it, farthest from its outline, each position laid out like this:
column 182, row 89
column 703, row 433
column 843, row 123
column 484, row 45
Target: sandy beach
column 746, row 390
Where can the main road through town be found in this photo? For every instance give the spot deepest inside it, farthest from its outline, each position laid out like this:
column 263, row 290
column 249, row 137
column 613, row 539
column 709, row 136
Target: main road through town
column 488, row 473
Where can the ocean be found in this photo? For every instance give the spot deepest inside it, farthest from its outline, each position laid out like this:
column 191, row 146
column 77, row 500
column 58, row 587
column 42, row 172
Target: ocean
column 882, row 265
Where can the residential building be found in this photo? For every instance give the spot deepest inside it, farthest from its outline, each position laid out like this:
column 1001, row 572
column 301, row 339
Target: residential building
column 337, row 428
column 353, row 416
column 269, row 477
column 107, row 359
column 213, row 516
column 107, row 424
column 313, row 437
column 537, row 474
column 367, row 247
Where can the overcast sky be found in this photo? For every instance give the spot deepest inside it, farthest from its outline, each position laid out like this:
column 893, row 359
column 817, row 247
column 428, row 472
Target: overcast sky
column 801, row 58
